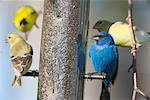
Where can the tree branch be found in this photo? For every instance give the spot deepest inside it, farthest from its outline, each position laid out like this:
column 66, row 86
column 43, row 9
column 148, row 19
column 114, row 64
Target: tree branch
column 134, row 51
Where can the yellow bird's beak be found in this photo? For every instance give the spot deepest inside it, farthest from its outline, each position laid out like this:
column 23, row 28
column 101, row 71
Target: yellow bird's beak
column 23, row 27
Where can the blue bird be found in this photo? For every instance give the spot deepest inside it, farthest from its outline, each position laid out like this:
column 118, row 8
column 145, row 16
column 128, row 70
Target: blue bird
column 104, row 57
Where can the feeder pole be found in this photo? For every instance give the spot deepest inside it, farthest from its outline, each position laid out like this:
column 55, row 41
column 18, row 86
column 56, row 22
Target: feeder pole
column 62, row 53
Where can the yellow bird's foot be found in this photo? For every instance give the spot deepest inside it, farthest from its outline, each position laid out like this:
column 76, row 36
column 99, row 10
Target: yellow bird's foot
column 35, row 73
column 133, row 50
column 138, row 45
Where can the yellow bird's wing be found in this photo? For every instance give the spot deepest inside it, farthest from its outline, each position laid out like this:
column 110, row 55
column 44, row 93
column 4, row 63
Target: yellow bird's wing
column 22, row 62
column 142, row 36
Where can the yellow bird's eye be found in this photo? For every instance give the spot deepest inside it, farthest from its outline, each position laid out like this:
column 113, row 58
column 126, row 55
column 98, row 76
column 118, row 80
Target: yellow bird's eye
column 9, row 37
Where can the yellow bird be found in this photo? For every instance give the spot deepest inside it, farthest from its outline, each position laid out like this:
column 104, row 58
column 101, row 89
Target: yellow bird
column 121, row 33
column 21, row 56
column 25, row 18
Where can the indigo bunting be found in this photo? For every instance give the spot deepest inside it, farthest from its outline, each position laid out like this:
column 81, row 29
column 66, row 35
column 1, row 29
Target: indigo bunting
column 104, row 57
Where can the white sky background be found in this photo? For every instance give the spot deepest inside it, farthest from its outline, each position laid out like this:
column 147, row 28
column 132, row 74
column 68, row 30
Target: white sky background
column 28, row 91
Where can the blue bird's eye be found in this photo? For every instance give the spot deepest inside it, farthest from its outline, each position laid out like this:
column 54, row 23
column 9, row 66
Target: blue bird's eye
column 101, row 36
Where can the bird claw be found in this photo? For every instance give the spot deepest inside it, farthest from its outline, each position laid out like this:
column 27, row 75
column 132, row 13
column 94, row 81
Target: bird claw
column 133, row 50
column 34, row 72
column 104, row 75
column 138, row 45
column 90, row 74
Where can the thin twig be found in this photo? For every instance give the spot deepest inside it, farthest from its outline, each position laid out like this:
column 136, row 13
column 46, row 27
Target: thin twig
column 134, row 51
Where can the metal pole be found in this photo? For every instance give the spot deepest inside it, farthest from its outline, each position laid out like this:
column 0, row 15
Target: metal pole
column 61, row 71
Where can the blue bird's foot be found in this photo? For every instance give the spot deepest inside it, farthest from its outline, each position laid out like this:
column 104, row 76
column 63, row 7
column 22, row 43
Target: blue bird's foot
column 90, row 74
column 95, row 75
column 104, row 75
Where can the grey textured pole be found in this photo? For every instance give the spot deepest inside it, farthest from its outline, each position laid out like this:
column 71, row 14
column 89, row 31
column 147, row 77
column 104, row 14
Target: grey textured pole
column 62, row 54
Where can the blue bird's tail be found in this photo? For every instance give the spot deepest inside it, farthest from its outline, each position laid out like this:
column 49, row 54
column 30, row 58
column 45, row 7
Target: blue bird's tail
column 105, row 94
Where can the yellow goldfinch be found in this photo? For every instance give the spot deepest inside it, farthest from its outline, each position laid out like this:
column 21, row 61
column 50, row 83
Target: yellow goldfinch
column 25, row 18
column 21, row 56
column 121, row 33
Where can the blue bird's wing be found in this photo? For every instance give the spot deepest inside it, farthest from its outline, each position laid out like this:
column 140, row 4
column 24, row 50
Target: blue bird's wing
column 116, row 57
column 105, row 60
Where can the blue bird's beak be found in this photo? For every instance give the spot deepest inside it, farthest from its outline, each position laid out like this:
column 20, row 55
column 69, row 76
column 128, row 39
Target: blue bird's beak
column 95, row 38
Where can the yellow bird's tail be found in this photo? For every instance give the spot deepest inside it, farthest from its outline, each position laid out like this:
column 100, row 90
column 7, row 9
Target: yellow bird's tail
column 16, row 81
